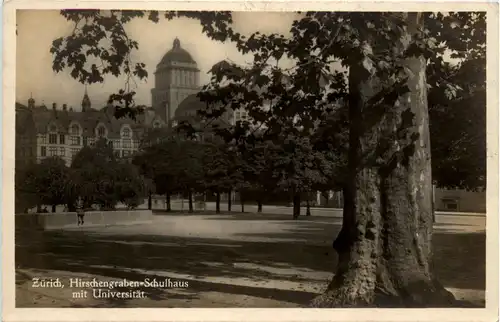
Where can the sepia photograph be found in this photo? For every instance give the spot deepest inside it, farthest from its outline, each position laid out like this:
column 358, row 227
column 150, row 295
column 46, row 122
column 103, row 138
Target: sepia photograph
column 252, row 159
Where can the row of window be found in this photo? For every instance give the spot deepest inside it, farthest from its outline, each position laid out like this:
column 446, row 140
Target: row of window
column 179, row 78
column 55, row 151
column 76, row 140
column 75, row 131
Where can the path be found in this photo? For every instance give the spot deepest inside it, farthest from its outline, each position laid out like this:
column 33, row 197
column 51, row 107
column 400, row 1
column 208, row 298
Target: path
column 239, row 260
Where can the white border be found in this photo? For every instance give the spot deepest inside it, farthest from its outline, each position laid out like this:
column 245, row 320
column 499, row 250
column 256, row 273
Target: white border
column 10, row 313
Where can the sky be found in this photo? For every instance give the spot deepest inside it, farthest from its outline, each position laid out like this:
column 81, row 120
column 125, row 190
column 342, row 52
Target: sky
column 38, row 28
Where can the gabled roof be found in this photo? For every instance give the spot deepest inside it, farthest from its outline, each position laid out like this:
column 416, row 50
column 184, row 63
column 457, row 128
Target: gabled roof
column 42, row 118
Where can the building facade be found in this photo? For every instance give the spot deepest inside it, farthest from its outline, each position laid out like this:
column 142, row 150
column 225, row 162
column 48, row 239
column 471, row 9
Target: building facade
column 43, row 132
column 176, row 77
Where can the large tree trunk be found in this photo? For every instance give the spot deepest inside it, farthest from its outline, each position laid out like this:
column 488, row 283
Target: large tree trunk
column 384, row 245
column 54, row 208
column 229, row 201
column 326, row 195
column 169, row 206
column 308, row 205
column 217, row 202
column 190, row 195
column 242, row 201
column 296, row 205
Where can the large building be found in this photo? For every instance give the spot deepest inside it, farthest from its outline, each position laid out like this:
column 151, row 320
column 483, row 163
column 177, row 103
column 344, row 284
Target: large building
column 43, row 132
column 177, row 76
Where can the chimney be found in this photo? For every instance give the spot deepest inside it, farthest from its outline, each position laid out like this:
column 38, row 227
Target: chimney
column 54, row 106
column 65, row 107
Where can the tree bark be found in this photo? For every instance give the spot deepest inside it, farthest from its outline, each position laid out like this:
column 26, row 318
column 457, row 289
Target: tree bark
column 326, row 195
column 217, row 203
column 384, row 245
column 229, row 201
column 296, row 205
column 169, row 206
column 190, row 195
column 242, row 201
column 308, row 206
column 54, row 208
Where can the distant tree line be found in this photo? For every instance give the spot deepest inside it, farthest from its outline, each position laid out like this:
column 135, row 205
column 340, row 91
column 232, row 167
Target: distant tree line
column 95, row 177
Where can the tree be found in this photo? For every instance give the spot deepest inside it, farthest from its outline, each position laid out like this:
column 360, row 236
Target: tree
column 51, row 179
column 96, row 173
column 297, row 167
column 131, row 187
column 155, row 162
column 26, row 188
column 175, row 165
column 221, row 170
column 384, row 245
column 458, row 128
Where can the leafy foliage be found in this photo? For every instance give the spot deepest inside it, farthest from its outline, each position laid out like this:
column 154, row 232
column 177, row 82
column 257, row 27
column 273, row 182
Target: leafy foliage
column 43, row 183
column 99, row 45
column 99, row 178
column 298, row 109
column 174, row 164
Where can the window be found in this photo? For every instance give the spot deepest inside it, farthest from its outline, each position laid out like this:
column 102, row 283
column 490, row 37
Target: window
column 43, row 139
column 75, row 140
column 156, row 124
column 75, row 130
column 110, row 143
column 62, row 139
column 52, row 151
column 52, row 138
column 126, row 153
column 136, row 143
column 74, row 151
column 43, row 151
column 101, row 131
column 126, row 133
column 62, row 152
column 117, row 153
column 85, row 143
column 116, row 144
column 127, row 143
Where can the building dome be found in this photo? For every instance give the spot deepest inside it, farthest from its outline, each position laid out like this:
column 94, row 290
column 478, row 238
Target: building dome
column 177, row 54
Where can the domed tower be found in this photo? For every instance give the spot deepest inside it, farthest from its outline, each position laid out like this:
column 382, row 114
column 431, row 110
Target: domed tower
column 177, row 76
column 86, row 104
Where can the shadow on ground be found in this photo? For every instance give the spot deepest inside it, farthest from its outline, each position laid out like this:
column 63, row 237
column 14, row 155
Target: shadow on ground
column 459, row 258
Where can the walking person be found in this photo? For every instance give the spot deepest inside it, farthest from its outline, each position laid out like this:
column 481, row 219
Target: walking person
column 80, row 212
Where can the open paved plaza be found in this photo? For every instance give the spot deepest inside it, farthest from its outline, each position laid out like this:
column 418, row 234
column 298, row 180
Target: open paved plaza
column 228, row 260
